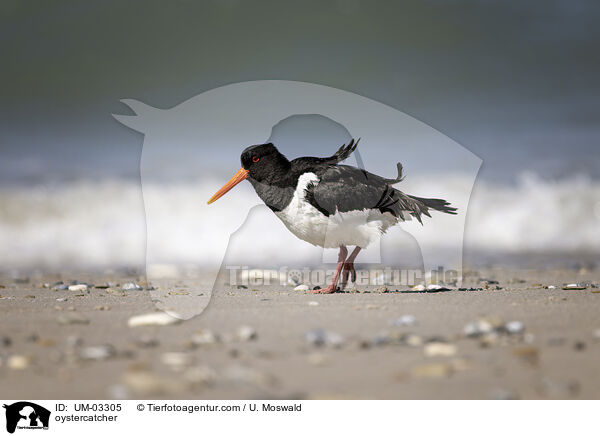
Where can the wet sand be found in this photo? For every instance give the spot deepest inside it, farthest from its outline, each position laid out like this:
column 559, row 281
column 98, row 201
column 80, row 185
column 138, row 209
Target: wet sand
column 83, row 348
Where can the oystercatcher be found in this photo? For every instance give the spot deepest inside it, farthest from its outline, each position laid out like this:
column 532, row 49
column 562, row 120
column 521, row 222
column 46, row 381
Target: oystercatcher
column 327, row 204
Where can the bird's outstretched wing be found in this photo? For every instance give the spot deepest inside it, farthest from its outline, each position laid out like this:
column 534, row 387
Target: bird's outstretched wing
column 343, row 152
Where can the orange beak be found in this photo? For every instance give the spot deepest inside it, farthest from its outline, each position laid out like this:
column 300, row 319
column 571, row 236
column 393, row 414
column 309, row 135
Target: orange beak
column 242, row 174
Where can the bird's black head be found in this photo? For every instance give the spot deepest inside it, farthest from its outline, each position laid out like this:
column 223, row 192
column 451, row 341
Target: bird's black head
column 264, row 162
column 260, row 163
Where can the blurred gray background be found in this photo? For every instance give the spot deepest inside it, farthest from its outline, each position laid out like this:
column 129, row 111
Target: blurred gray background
column 516, row 82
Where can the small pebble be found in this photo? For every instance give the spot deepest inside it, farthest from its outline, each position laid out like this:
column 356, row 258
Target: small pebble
column 18, row 362
column 5, row 341
column 99, row 352
column 404, row 321
column 246, row 333
column 477, row 328
column 439, row 349
column 514, row 327
column 176, row 360
column 131, row 286
column 78, row 288
column 575, row 287
column 72, row 318
column 432, row 370
column 154, row 318
column 61, row 299
column 319, row 337
column 204, row 337
column 301, row 288
column 102, row 308
column 313, row 303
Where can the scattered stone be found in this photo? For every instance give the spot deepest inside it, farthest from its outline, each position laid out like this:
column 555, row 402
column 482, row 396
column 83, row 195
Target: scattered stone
column 313, row 303
column 246, row 333
column 176, row 360
column 434, row 349
column 99, row 352
column 575, row 287
column 413, row 340
column 301, row 288
column 514, row 327
column 61, row 299
column 45, row 342
column 404, row 321
column 131, row 286
column 204, row 337
column 319, row 337
column 102, row 308
column 18, row 362
column 72, row 318
column 81, row 287
column 432, row 370
column 154, row 318
column 478, row 328
column 529, row 355
column 550, row 287
column 579, row 346
column 5, row 341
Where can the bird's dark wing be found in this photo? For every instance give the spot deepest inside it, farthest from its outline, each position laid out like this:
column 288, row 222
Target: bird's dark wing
column 344, row 188
column 343, row 153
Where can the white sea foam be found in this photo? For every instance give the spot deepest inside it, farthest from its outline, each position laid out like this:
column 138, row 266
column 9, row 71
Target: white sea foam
column 104, row 224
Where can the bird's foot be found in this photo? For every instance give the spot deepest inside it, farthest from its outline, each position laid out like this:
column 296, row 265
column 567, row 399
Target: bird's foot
column 328, row 290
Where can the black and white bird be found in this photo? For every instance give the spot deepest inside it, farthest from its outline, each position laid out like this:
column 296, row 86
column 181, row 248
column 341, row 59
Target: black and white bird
column 328, row 204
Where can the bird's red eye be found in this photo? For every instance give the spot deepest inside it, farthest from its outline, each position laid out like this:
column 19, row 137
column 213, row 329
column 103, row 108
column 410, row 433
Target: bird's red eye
column 255, row 159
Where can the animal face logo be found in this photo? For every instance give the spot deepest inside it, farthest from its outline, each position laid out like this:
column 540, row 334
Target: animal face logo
column 26, row 415
column 182, row 165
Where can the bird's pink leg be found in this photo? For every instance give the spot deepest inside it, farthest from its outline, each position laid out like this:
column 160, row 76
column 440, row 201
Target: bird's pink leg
column 349, row 268
column 333, row 285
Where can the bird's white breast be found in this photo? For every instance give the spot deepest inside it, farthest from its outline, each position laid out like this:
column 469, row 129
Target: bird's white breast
column 359, row 227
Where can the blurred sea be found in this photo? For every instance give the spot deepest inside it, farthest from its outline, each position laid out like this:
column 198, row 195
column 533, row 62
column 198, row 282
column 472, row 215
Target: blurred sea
column 101, row 224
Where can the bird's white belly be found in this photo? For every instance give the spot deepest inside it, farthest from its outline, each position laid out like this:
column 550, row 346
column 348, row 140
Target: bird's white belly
column 360, row 227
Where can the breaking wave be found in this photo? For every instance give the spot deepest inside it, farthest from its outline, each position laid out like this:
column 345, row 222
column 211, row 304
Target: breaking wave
column 103, row 224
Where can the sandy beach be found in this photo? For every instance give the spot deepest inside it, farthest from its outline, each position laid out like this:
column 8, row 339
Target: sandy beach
column 511, row 334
